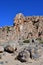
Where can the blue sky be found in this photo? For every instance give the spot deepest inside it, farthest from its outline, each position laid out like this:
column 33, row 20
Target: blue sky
column 9, row 8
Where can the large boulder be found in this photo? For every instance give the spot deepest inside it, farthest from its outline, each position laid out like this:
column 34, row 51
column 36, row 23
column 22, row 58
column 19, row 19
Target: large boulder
column 35, row 52
column 9, row 49
column 23, row 56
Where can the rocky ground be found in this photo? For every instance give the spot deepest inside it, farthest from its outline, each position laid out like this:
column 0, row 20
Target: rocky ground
column 24, row 54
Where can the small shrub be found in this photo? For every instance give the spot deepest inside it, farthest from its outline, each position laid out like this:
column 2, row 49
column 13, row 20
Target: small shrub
column 26, row 41
column 3, row 29
column 41, row 42
column 39, row 39
column 8, row 29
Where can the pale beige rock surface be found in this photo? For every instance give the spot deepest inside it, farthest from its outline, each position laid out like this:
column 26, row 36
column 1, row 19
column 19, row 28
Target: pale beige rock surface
column 24, row 27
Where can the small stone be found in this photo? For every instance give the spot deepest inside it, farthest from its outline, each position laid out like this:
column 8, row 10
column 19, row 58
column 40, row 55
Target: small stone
column 1, row 49
column 6, row 61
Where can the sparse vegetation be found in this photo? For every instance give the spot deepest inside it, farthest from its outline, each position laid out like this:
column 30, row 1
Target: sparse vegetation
column 41, row 42
column 3, row 29
column 8, row 29
column 26, row 41
column 39, row 39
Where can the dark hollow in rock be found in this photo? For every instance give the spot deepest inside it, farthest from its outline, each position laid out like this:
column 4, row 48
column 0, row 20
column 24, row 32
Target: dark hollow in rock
column 39, row 33
column 30, row 54
column 33, row 41
column 15, row 49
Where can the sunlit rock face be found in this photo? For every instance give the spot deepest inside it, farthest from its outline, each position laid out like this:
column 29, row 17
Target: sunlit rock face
column 21, row 27
column 30, row 26
column 19, row 19
column 19, row 22
column 24, row 27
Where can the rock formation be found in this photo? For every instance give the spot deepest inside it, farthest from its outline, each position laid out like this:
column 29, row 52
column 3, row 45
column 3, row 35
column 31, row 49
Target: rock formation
column 24, row 27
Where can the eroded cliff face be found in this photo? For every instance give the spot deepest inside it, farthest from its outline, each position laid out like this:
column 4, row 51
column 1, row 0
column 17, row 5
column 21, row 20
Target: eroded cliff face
column 29, row 27
column 24, row 27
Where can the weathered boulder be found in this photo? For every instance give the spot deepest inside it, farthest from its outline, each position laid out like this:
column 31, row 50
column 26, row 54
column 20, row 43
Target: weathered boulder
column 9, row 49
column 23, row 56
column 35, row 52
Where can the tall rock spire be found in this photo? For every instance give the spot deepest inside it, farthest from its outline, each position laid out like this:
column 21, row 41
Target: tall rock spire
column 19, row 19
